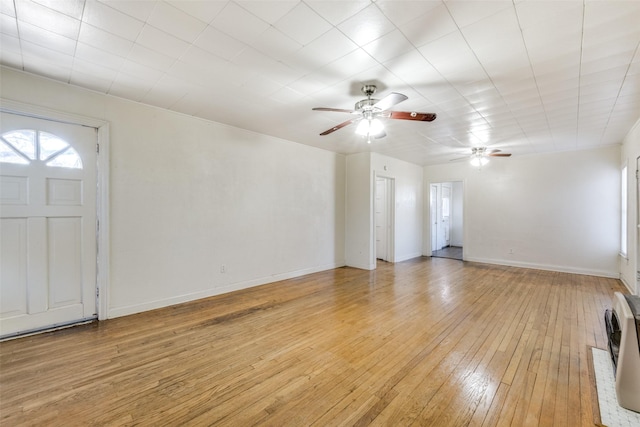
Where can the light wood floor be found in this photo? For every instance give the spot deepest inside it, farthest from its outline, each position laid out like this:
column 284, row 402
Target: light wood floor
column 427, row 342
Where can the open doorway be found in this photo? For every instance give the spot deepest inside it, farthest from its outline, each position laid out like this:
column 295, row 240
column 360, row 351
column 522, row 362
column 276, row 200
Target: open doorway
column 446, row 217
column 384, row 230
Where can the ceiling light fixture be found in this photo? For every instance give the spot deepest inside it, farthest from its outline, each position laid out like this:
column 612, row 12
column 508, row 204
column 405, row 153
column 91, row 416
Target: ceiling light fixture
column 478, row 160
column 369, row 128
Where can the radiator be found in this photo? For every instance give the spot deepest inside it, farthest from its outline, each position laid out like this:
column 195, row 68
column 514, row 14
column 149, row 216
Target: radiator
column 623, row 331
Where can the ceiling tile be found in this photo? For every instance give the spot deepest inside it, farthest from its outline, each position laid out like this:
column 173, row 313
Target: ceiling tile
column 276, row 45
column 239, row 23
column 367, row 25
column 51, row 69
column 10, row 44
column 32, row 51
column 268, row 11
column 416, row 71
column 109, row 19
column 142, row 72
column 129, row 86
column 98, row 57
column 48, row 19
column 401, row 12
column 89, row 80
column 302, row 24
column 174, row 21
column 429, row 27
column 160, row 41
column 550, row 14
column 138, row 9
column 466, row 13
column 167, row 91
column 8, row 25
column 199, row 58
column 324, row 50
column 72, row 8
column 266, row 66
column 205, row 11
column 47, row 39
column 7, row 7
column 451, row 56
column 389, row 46
column 11, row 59
column 98, row 38
column 215, row 41
column 336, row 15
column 149, row 58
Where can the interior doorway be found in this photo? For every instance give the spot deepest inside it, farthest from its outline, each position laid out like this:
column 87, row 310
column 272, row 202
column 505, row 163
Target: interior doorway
column 446, row 219
column 384, row 229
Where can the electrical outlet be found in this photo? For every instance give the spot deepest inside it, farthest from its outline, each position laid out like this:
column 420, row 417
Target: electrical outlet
column 223, row 268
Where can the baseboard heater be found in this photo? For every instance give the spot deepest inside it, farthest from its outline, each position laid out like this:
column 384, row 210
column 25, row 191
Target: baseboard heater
column 623, row 332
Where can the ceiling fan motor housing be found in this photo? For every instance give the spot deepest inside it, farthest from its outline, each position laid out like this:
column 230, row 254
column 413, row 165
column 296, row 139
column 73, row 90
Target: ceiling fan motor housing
column 365, row 105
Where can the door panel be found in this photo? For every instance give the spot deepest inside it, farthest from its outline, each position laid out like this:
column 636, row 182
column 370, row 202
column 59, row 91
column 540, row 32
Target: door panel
column 48, row 222
column 13, row 281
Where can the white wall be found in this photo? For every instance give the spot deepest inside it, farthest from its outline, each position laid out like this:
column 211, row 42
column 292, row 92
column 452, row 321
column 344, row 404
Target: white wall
column 359, row 250
column 362, row 168
column 457, row 203
column 188, row 196
column 554, row 211
column 629, row 265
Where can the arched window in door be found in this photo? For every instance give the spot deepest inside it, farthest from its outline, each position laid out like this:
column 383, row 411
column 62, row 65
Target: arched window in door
column 25, row 146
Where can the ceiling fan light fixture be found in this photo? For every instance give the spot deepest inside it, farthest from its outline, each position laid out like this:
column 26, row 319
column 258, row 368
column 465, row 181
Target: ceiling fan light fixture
column 478, row 161
column 369, row 127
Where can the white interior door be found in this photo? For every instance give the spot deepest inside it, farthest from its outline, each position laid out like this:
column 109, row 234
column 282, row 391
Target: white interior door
column 638, row 226
column 47, row 223
column 381, row 219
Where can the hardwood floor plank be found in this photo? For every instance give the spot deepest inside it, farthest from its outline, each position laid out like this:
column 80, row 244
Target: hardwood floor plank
column 422, row 342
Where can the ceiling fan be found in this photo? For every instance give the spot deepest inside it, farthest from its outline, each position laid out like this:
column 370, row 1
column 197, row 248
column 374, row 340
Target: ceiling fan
column 480, row 156
column 369, row 110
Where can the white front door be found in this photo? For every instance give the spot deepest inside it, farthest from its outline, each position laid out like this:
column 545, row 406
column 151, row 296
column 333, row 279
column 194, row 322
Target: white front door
column 47, row 223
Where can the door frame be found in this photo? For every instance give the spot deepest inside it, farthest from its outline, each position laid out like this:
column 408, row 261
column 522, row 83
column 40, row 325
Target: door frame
column 433, row 211
column 391, row 218
column 102, row 189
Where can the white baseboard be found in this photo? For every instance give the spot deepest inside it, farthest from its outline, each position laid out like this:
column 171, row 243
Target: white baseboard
column 408, row 257
column 626, row 285
column 178, row 299
column 558, row 268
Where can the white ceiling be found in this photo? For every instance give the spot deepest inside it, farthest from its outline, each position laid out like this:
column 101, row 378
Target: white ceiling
column 523, row 76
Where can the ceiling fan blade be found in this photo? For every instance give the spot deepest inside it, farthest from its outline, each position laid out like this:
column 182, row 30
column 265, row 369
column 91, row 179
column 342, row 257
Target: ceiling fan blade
column 380, row 135
column 499, row 154
column 340, row 126
column 390, row 100
column 459, row 159
column 406, row 115
column 336, row 110
column 495, row 150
